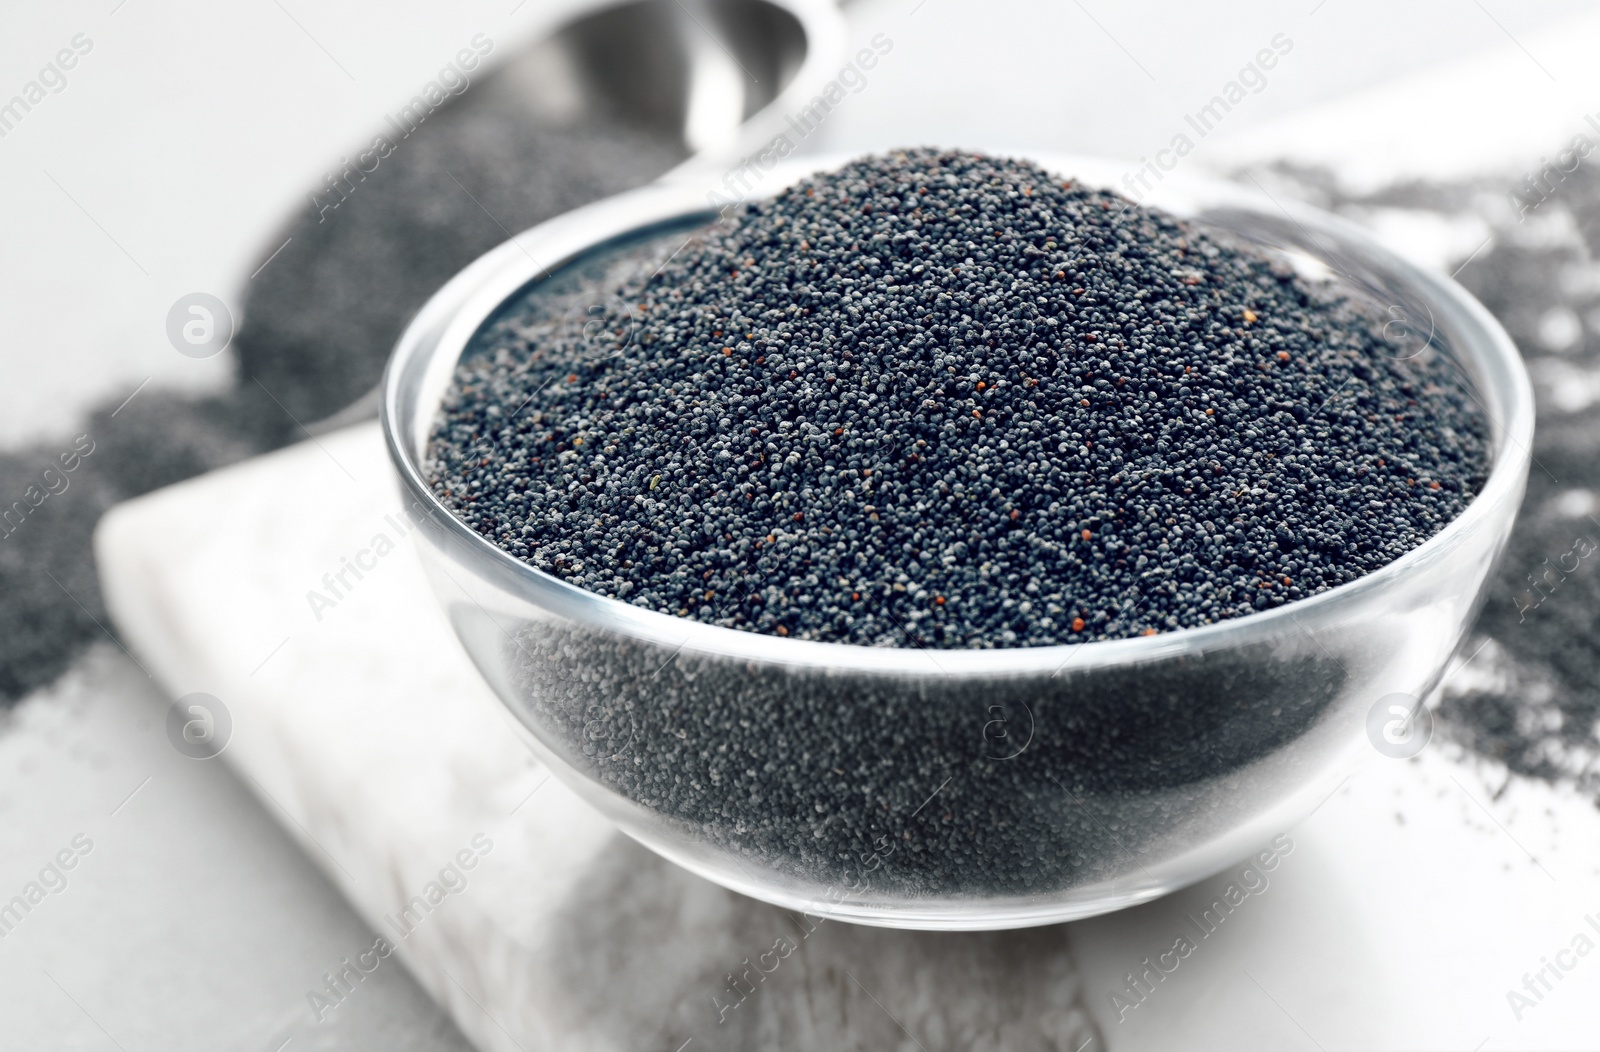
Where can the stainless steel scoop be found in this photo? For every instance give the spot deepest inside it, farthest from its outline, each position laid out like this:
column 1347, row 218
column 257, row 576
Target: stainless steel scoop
column 695, row 68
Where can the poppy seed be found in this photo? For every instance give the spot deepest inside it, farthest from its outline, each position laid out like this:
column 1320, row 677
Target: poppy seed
column 1076, row 417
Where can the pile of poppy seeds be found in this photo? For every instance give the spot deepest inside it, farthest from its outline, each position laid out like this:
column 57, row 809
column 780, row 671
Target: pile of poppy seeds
column 948, row 400
column 943, row 400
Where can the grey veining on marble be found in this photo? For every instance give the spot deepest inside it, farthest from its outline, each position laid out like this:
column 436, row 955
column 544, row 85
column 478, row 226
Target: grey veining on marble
column 830, row 985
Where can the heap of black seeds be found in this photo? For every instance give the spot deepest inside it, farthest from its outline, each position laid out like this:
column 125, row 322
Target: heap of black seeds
column 942, row 399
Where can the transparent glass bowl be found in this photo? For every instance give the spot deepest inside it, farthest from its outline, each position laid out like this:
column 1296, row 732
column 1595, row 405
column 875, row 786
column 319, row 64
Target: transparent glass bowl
column 959, row 789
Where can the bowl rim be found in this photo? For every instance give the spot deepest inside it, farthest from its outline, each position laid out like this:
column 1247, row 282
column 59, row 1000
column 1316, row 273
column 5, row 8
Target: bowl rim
column 446, row 324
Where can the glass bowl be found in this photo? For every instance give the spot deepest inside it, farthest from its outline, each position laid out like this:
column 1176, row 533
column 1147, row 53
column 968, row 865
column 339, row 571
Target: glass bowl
column 959, row 789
